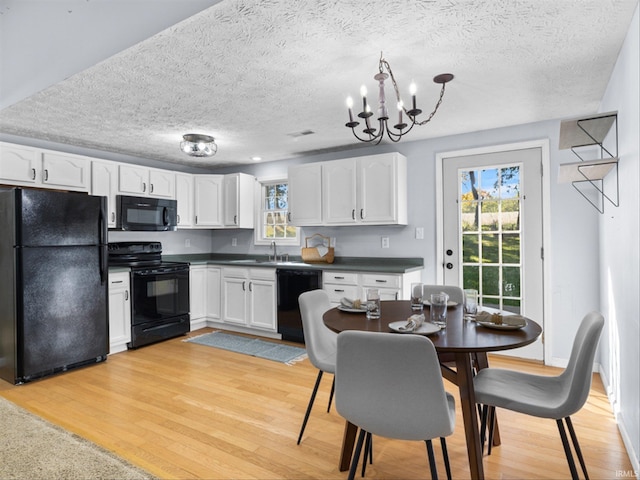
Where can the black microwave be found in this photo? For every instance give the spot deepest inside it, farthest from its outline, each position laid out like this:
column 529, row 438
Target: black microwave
column 146, row 214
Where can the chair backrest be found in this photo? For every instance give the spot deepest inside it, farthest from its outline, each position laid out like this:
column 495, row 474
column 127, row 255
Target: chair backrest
column 391, row 385
column 455, row 293
column 320, row 342
column 576, row 378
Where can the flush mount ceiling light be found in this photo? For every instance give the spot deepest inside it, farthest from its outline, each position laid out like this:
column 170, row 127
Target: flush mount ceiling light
column 383, row 115
column 197, row 145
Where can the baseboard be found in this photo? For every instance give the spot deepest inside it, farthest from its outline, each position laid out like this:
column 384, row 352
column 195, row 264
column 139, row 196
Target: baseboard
column 620, row 421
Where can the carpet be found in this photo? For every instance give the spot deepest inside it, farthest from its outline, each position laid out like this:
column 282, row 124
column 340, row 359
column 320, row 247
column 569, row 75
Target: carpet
column 251, row 346
column 32, row 448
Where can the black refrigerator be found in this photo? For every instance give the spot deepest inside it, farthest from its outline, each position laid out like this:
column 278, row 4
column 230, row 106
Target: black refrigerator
column 54, row 288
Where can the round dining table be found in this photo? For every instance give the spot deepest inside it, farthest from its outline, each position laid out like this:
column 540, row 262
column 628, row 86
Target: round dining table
column 463, row 344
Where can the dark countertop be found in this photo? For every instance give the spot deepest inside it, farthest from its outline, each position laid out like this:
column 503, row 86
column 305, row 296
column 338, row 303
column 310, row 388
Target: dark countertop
column 356, row 264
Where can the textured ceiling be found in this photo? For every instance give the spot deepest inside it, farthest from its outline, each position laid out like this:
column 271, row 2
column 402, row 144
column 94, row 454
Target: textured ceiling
column 254, row 74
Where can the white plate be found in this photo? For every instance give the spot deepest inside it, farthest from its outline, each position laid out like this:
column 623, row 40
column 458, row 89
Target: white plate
column 504, row 326
column 425, row 329
column 450, row 303
column 342, row 308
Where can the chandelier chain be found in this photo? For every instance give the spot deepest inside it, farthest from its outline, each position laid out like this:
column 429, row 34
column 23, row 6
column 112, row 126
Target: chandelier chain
column 384, row 63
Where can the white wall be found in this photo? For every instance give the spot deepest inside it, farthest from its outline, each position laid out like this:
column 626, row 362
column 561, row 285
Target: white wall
column 620, row 252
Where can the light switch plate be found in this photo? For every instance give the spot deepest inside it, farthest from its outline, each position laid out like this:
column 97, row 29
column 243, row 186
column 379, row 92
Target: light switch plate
column 419, row 233
column 234, row 242
column 385, row 242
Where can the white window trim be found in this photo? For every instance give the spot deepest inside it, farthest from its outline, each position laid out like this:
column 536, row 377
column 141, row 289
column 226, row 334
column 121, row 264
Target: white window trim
column 258, row 231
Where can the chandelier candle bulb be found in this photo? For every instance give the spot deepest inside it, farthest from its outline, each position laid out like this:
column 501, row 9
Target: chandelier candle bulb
column 412, row 91
column 363, row 92
column 400, row 106
column 350, row 106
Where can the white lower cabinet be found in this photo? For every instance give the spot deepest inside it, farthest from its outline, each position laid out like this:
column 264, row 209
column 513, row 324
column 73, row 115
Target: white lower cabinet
column 352, row 285
column 204, row 293
column 249, row 297
column 119, row 312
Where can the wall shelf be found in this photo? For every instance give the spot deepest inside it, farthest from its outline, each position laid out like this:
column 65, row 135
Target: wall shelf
column 581, row 135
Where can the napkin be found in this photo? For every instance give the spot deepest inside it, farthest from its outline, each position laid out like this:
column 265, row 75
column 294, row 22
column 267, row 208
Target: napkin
column 413, row 322
column 348, row 303
column 500, row 319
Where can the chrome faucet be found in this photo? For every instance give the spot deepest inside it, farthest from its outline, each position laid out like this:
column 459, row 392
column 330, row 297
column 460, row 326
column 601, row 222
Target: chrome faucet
column 275, row 253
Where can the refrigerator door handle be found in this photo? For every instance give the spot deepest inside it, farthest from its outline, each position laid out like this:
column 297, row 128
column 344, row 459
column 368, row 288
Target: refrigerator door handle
column 104, row 247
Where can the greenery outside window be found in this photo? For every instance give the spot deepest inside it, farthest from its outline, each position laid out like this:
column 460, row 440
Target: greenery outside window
column 273, row 219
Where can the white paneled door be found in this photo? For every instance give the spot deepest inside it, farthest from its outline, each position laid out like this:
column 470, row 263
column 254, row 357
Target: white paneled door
column 492, row 231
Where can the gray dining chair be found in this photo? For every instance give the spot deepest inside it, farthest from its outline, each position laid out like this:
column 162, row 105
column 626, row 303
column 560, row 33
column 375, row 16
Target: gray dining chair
column 556, row 397
column 456, row 294
column 320, row 343
column 390, row 385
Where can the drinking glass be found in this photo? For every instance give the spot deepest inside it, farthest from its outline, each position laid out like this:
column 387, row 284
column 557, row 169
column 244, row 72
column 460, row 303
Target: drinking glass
column 373, row 303
column 470, row 303
column 417, row 296
column 438, row 309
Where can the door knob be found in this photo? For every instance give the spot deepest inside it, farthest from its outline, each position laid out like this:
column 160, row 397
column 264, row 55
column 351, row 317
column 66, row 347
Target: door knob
column 449, row 252
column 449, row 265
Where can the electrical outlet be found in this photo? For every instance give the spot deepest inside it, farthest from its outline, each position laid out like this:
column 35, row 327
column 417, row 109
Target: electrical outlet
column 385, row 242
column 419, row 233
column 187, row 242
column 234, row 242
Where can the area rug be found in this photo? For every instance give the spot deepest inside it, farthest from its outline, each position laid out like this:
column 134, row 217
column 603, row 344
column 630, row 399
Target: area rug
column 32, row 448
column 251, row 346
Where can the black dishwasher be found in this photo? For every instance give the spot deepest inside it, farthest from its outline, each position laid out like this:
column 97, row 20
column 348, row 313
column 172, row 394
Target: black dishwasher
column 291, row 283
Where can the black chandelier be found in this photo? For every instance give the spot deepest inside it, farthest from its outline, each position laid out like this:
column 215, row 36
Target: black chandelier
column 375, row 135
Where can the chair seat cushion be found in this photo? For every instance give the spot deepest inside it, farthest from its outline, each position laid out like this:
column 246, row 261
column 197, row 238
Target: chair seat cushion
column 534, row 395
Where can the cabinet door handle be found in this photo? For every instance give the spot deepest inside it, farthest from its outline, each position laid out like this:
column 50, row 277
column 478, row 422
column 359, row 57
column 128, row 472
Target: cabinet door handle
column 235, row 219
column 380, row 281
column 33, row 174
column 353, row 214
column 196, row 219
column 244, row 285
column 289, row 216
column 144, row 187
column 46, row 175
column 178, row 218
column 151, row 188
column 338, row 290
column 113, row 216
column 251, row 286
column 362, row 214
column 339, row 278
column 116, row 281
column 126, row 295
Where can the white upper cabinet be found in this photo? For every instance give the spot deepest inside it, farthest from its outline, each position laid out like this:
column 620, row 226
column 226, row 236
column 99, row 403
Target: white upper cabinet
column 305, row 194
column 239, row 191
column 28, row 166
column 146, row 182
column 382, row 189
column 208, row 200
column 162, row 183
column 19, row 165
column 104, row 183
column 369, row 190
column 184, row 197
column 339, row 191
column 133, row 180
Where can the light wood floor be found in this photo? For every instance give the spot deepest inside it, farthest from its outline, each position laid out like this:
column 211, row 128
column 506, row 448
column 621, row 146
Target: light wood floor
column 182, row 410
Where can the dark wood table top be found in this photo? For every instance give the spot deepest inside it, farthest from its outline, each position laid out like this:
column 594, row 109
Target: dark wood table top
column 459, row 336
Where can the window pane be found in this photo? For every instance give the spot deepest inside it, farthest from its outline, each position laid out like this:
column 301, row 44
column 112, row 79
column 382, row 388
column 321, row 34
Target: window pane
column 491, row 280
column 470, row 248
column 511, row 248
column 511, row 281
column 471, row 277
column 470, row 215
column 490, row 248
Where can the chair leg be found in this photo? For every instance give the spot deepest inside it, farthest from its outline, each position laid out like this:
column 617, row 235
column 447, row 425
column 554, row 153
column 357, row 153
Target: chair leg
column 368, row 452
column 333, row 389
column 576, row 446
column 483, row 426
column 311, row 400
column 567, row 449
column 432, row 460
column 445, row 454
column 356, row 455
column 492, row 424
